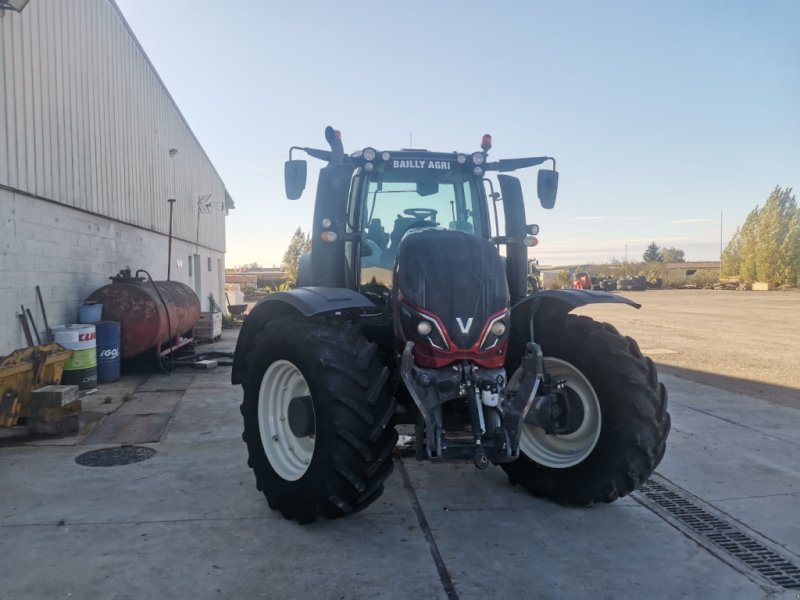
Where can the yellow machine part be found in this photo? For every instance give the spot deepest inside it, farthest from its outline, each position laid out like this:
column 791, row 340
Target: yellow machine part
column 24, row 371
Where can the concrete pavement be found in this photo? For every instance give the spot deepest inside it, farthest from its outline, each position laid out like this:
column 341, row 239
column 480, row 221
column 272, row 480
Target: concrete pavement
column 189, row 523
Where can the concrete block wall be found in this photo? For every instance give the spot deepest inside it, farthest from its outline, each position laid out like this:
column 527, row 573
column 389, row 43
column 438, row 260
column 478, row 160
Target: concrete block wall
column 69, row 254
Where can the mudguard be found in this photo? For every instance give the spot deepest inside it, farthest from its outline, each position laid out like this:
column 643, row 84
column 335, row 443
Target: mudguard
column 305, row 302
column 544, row 305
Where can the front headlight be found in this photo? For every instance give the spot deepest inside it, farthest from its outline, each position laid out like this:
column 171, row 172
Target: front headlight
column 497, row 330
column 425, row 327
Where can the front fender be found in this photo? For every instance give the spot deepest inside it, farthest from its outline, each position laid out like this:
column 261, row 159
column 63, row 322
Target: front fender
column 552, row 304
column 301, row 302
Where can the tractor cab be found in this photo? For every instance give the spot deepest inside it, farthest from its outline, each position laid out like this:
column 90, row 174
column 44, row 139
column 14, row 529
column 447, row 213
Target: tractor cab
column 368, row 202
column 399, row 197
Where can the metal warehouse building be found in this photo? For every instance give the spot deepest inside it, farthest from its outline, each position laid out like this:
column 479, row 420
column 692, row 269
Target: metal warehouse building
column 92, row 146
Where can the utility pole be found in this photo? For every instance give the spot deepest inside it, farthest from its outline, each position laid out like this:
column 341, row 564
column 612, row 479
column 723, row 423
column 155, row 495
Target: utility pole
column 169, row 247
column 720, row 238
column 172, row 153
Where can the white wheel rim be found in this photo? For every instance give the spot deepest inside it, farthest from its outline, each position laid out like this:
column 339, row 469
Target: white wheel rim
column 288, row 454
column 562, row 451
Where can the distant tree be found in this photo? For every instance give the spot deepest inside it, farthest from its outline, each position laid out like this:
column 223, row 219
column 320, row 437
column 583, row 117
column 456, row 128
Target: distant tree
column 251, row 266
column 747, row 247
column 731, row 260
column 653, row 254
column 563, row 279
column 298, row 245
column 625, row 268
column 767, row 246
column 771, row 232
column 672, row 255
column 791, row 250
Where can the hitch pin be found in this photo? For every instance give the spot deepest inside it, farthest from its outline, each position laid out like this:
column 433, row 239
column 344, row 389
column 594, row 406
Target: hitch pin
column 479, row 408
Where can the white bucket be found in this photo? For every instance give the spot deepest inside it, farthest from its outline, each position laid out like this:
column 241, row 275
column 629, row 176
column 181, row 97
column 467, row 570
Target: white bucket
column 75, row 337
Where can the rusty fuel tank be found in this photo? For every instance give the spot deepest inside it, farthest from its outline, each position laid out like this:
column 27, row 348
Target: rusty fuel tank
column 133, row 302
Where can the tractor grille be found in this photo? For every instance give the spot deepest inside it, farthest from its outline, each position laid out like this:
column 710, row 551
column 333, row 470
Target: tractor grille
column 721, row 533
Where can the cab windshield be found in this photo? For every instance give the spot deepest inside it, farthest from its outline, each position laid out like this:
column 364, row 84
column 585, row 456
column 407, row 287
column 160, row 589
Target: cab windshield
column 393, row 208
column 400, row 201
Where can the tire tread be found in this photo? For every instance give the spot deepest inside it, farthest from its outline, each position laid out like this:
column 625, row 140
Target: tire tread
column 348, row 473
column 627, row 385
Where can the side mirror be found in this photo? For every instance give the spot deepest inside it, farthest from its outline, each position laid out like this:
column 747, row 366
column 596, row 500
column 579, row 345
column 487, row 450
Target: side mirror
column 547, row 188
column 294, row 176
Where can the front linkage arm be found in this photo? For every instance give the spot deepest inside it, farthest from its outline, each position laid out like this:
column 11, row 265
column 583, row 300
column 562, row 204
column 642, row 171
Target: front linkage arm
column 493, row 440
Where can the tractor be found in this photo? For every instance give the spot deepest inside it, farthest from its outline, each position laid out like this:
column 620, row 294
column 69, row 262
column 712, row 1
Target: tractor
column 582, row 281
column 406, row 312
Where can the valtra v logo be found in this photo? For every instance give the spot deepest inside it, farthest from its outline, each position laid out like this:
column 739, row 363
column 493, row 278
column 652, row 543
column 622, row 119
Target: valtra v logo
column 465, row 327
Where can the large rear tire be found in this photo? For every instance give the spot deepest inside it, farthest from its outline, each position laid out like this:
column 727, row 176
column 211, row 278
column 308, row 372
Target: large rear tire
column 341, row 466
column 606, row 463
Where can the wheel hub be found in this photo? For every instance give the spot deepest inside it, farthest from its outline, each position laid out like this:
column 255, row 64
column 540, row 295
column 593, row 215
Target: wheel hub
column 568, row 411
column 286, row 420
column 574, row 411
column 301, row 416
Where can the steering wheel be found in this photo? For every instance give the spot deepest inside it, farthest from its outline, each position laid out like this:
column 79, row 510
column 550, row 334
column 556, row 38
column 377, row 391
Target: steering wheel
column 422, row 213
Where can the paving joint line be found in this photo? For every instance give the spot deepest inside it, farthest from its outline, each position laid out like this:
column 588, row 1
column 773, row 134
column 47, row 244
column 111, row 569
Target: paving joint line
column 795, row 493
column 742, row 425
column 441, row 568
column 143, row 522
column 265, row 517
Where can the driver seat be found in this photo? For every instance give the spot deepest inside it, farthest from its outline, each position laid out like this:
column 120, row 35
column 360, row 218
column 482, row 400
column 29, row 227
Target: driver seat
column 401, row 225
column 464, row 226
column 377, row 234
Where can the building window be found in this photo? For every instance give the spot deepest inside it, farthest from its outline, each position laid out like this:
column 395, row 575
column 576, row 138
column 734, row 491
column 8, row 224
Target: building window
column 190, row 266
column 209, row 264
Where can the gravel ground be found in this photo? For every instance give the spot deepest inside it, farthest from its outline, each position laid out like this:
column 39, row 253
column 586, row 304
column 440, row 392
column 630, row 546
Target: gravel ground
column 747, row 342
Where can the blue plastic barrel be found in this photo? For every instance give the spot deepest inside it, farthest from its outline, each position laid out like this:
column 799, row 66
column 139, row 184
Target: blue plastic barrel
column 108, row 357
column 90, row 312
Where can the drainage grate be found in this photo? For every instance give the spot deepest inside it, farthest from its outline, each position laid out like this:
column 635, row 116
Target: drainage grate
column 114, row 457
column 724, row 535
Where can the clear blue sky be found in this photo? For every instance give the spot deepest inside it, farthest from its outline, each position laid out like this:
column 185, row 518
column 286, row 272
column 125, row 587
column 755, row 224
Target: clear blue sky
column 661, row 114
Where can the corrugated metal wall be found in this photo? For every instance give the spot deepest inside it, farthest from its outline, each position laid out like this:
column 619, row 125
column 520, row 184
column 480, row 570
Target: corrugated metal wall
column 86, row 122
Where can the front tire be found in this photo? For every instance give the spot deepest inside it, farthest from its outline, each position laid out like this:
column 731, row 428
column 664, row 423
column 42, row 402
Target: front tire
column 339, row 463
column 632, row 424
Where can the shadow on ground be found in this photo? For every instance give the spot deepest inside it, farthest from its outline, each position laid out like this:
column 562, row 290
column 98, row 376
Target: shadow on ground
column 778, row 394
